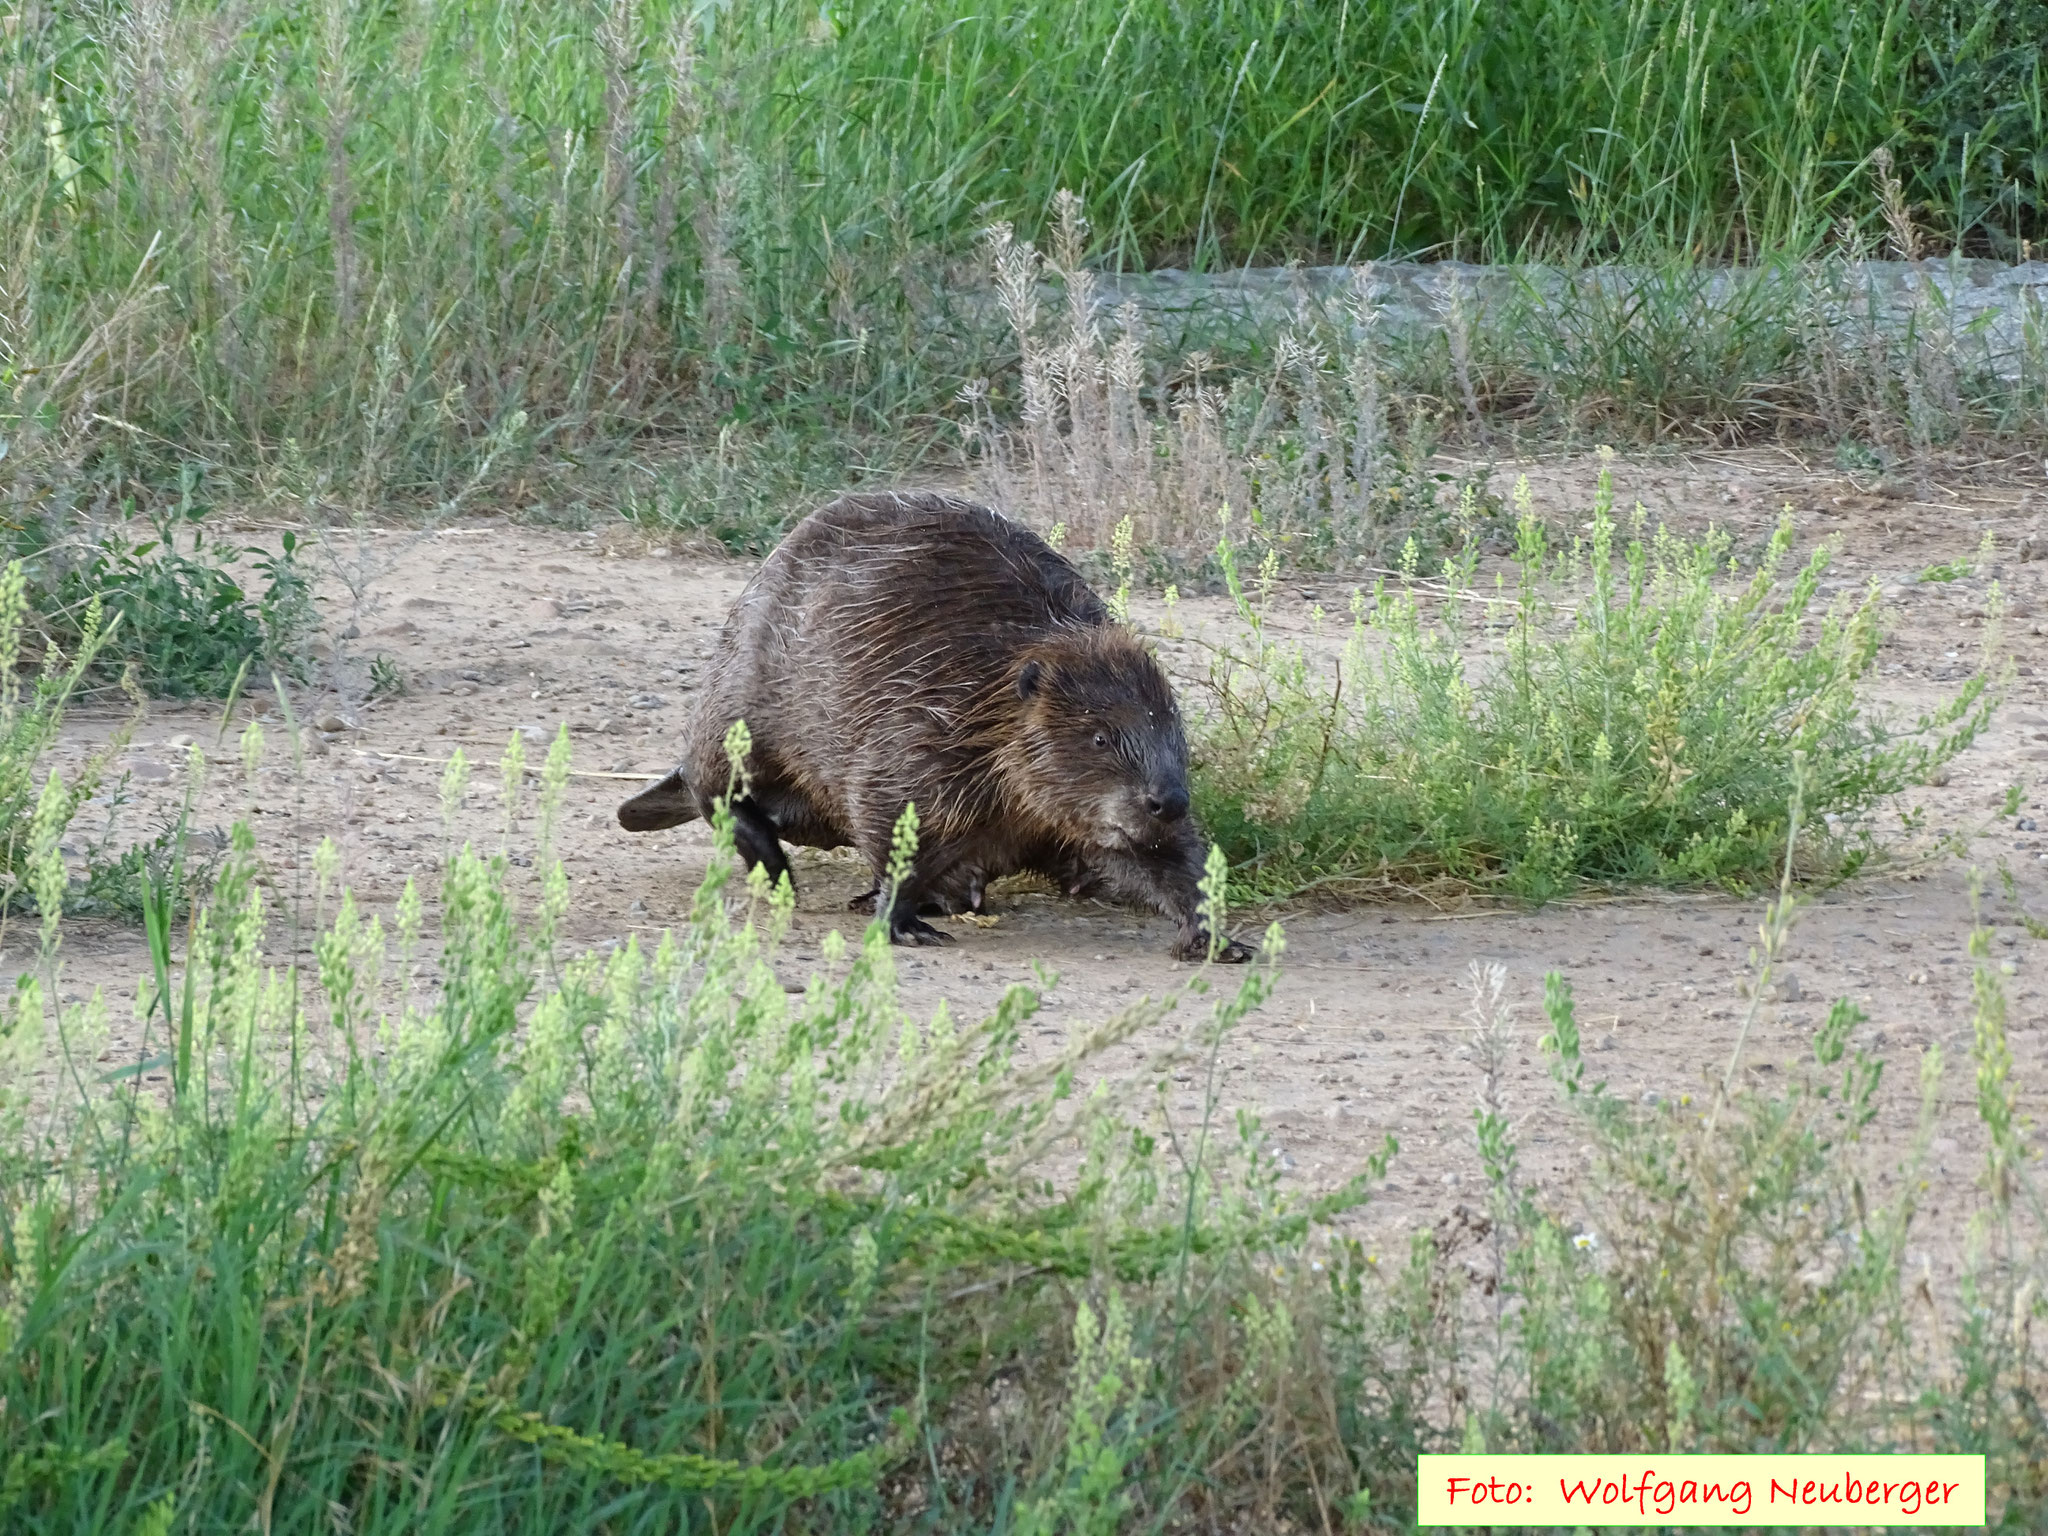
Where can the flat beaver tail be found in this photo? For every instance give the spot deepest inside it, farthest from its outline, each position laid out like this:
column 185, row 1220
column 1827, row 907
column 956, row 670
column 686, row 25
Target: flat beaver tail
column 669, row 803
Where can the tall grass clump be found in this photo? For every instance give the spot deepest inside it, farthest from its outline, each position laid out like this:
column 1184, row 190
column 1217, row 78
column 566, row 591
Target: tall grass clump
column 1242, row 132
column 349, row 255
column 1619, row 710
column 452, row 1228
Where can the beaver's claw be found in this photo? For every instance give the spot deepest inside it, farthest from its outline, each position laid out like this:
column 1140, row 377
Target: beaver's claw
column 916, row 930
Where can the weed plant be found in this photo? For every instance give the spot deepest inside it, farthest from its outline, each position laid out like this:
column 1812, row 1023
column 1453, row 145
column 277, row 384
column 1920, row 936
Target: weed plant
column 187, row 625
column 1619, row 710
column 1309, row 452
column 33, row 817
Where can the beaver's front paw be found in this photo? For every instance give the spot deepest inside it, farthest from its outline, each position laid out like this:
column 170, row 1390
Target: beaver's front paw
column 1194, row 945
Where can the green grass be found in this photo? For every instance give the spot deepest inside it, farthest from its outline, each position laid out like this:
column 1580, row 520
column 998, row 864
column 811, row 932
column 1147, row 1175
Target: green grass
column 1615, row 712
column 1239, row 131
column 348, row 255
column 451, row 1229
column 571, row 1239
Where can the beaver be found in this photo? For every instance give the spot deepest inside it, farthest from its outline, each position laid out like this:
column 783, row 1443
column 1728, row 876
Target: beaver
column 902, row 648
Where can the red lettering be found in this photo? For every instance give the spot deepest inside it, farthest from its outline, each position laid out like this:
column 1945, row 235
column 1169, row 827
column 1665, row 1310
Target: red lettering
column 1947, row 1489
column 1455, row 1484
column 1778, row 1488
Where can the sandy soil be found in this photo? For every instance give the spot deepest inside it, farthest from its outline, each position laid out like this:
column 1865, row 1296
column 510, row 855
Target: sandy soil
column 498, row 627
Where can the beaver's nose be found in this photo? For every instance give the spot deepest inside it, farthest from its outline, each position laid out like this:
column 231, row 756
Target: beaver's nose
column 1168, row 803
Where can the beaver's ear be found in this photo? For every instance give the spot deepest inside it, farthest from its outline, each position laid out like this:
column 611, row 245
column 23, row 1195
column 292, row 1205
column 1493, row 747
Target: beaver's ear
column 1028, row 678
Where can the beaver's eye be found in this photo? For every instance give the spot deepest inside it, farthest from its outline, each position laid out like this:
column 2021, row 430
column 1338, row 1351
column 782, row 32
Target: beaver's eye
column 1101, row 739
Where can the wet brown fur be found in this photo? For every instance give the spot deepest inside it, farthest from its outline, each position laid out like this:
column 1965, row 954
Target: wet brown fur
column 900, row 648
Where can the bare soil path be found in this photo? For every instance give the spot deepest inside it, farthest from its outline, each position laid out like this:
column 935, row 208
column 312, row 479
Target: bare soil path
column 500, row 628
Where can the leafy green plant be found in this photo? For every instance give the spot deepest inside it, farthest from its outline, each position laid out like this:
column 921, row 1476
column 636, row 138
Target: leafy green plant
column 118, row 878
column 185, row 624
column 387, row 678
column 1618, row 713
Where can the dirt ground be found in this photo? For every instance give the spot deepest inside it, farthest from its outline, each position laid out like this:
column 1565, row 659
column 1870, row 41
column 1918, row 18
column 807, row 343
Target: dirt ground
column 498, row 627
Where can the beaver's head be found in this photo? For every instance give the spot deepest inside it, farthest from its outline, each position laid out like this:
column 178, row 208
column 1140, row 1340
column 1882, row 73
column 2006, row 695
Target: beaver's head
column 1100, row 749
